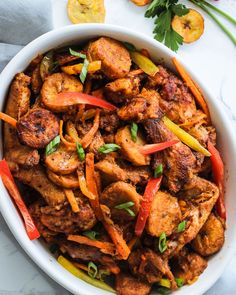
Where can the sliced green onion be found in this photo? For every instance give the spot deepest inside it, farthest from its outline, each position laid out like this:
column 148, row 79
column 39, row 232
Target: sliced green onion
column 53, row 145
column 77, row 54
column 102, row 274
column 91, row 234
column 181, row 226
column 84, row 71
column 162, row 243
column 80, row 151
column 179, row 282
column 158, row 171
column 134, row 131
column 126, row 206
column 92, row 269
column 108, row 148
column 129, row 46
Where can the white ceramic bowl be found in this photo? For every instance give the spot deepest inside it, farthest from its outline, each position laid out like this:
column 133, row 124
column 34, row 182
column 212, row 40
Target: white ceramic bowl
column 36, row 250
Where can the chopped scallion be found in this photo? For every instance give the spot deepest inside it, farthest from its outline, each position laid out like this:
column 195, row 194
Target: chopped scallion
column 108, row 148
column 80, row 151
column 77, row 54
column 179, row 282
column 134, row 131
column 53, row 145
column 92, row 269
column 84, row 71
column 158, row 171
column 126, row 206
column 181, row 226
column 162, row 243
column 91, row 234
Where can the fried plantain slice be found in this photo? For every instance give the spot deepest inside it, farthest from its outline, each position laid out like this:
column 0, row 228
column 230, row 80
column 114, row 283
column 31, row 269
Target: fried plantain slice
column 86, row 11
column 141, row 2
column 189, row 26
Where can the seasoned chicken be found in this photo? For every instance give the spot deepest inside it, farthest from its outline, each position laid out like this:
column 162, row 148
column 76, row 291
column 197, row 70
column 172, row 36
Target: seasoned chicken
column 126, row 284
column 210, row 238
column 115, row 57
column 37, row 179
column 178, row 160
column 109, row 121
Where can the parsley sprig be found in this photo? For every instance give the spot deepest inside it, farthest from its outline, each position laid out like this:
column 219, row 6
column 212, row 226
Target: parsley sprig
column 164, row 11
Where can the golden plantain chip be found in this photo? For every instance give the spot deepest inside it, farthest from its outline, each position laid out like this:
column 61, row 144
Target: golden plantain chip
column 86, row 11
column 189, row 26
column 141, row 2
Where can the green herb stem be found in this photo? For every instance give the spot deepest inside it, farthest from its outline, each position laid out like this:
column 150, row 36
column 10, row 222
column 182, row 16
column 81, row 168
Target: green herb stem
column 219, row 23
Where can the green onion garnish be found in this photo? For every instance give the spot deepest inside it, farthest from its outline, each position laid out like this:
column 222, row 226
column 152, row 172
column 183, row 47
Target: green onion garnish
column 108, row 148
column 126, row 206
column 158, row 171
column 102, row 274
column 53, row 145
column 91, row 234
column 179, row 282
column 92, row 269
column 181, row 226
column 129, row 46
column 80, row 151
column 84, row 71
column 162, row 243
column 77, row 54
column 134, row 131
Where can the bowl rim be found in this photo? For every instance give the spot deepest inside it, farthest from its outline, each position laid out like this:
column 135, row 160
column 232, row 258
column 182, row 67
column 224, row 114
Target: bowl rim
column 104, row 29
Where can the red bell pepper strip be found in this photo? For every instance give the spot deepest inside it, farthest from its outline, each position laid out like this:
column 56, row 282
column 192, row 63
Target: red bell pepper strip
column 152, row 187
column 156, row 147
column 10, row 185
column 65, row 99
column 218, row 175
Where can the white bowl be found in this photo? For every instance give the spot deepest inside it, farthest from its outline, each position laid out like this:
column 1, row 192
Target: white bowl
column 36, row 250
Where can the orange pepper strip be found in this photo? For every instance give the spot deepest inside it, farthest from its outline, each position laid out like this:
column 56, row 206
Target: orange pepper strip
column 105, row 247
column 71, row 199
column 70, row 145
column 192, row 86
column 87, row 139
column 8, row 119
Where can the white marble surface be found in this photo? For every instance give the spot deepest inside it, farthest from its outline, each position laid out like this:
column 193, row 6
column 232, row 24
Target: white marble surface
column 213, row 57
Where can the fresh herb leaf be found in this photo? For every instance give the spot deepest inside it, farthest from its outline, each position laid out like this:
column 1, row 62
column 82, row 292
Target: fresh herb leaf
column 129, row 46
column 155, row 8
column 91, row 234
column 179, row 9
column 162, row 243
column 126, row 206
column 134, row 131
column 80, row 151
column 108, row 148
column 179, row 282
column 53, row 145
column 181, row 226
column 84, row 71
column 77, row 54
column 158, row 171
column 92, row 269
column 173, row 40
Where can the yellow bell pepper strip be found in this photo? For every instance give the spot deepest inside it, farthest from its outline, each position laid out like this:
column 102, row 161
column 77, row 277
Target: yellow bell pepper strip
column 165, row 283
column 218, row 175
column 72, row 132
column 10, row 185
column 93, row 67
column 193, row 87
column 186, row 138
column 144, row 63
column 83, row 276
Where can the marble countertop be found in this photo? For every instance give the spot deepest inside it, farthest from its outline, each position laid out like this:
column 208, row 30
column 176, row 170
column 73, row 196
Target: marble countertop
column 213, row 57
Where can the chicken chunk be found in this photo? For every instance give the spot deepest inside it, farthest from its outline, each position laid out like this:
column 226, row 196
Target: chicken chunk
column 188, row 266
column 36, row 132
column 122, row 90
column 164, row 216
column 142, row 107
column 114, row 56
column 111, row 171
column 62, row 161
column 66, row 181
column 55, row 84
column 178, row 160
column 109, row 121
column 96, row 143
column 37, row 179
column 118, row 193
column 210, row 238
column 129, row 285
column 130, row 149
column 150, row 267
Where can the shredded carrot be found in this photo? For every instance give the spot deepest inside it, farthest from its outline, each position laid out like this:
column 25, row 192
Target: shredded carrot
column 145, row 52
column 196, row 120
column 91, row 185
column 132, row 243
column 8, row 119
column 99, row 93
column 87, row 139
column 192, row 86
column 72, row 132
column 69, row 145
column 105, row 247
column 84, row 188
column 71, row 199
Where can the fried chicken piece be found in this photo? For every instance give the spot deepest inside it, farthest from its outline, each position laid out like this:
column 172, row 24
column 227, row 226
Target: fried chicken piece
column 126, row 284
